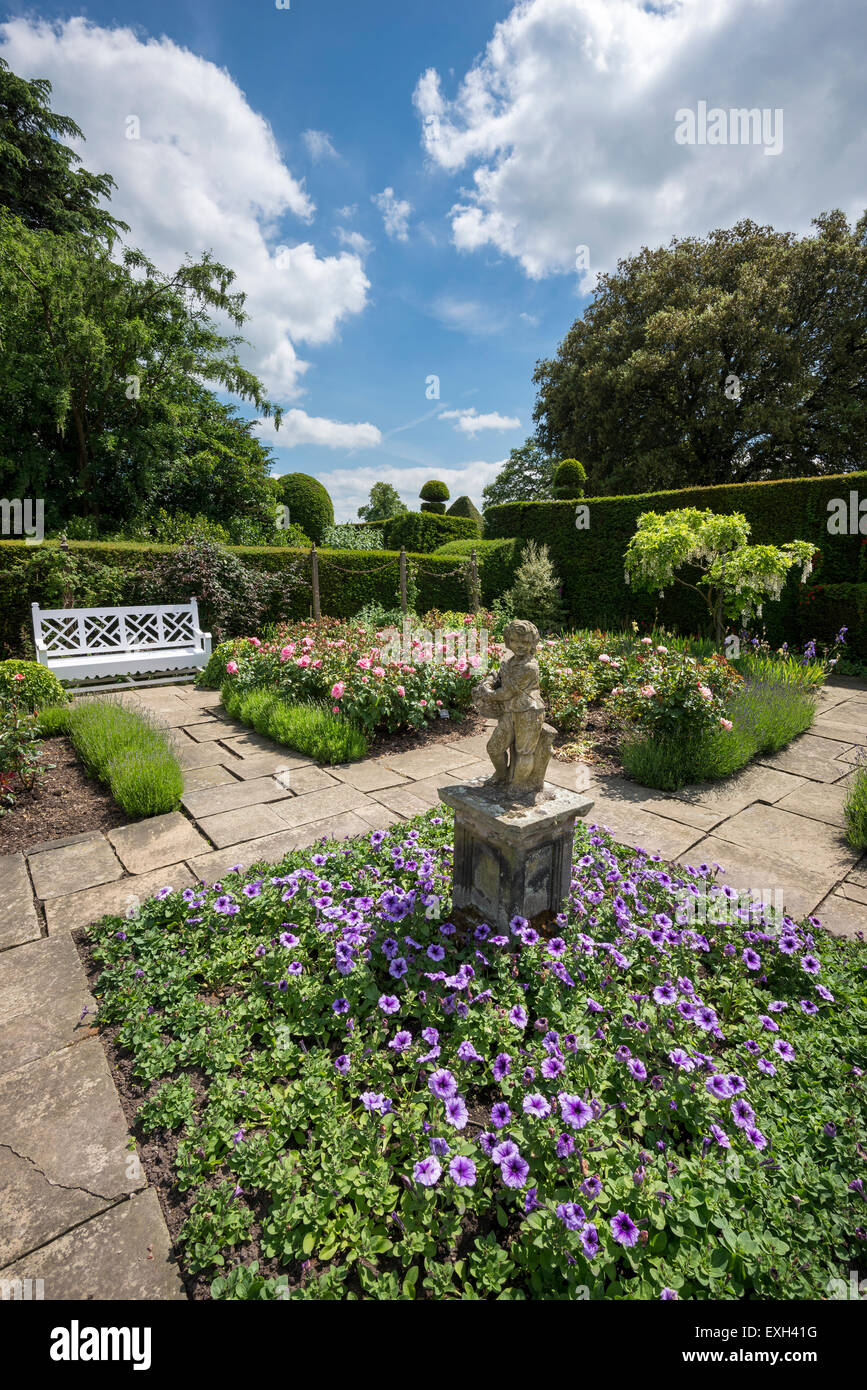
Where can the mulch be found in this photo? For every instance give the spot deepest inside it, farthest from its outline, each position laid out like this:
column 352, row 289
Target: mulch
column 63, row 801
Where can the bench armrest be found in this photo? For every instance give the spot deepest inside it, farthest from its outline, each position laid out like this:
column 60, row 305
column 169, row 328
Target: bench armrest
column 206, row 639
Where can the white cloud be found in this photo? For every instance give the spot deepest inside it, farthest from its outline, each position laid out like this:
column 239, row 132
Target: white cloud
column 395, row 213
column 205, row 174
column 350, row 487
column 319, row 145
column 297, row 427
column 567, row 121
column 471, row 422
column 355, row 241
column 469, row 316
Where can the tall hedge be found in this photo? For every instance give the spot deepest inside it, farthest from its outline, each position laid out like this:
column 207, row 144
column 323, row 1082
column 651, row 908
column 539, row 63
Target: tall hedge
column 423, row 532
column 497, row 562
column 590, row 561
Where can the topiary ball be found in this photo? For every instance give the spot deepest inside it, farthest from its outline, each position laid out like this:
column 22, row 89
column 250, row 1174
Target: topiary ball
column 569, row 479
column 310, row 506
column 30, row 685
column 435, row 491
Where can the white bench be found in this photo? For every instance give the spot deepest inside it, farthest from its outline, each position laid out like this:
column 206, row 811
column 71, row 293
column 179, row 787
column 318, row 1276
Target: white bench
column 91, row 643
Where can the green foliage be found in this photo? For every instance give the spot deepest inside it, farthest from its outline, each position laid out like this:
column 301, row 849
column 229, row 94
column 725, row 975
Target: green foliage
column 422, row 532
column 310, row 506
column 590, row 559
column 465, row 506
column 569, row 479
column 434, row 496
column 53, row 720
column 30, row 685
column 351, row 537
column 497, row 563
column 526, row 476
column 855, row 808
column 535, row 594
column 20, row 748
column 824, row 608
column 310, row 729
column 716, row 360
column 53, row 578
column 384, row 502
column 172, row 1104
column 736, row 577
column 129, row 752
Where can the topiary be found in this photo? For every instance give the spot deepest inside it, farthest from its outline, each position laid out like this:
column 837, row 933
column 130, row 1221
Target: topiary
column 31, row 685
column 434, row 496
column 569, row 479
column 466, row 507
column 310, row 506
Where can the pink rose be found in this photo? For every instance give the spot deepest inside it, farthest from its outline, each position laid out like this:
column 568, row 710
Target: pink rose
column 18, row 676
column 363, row 664
column 303, row 661
column 726, row 724
column 422, row 703
column 400, row 690
column 647, row 691
column 378, row 671
column 335, row 709
column 254, row 641
column 307, row 642
column 287, row 651
column 337, row 690
column 605, row 658
column 232, row 668
column 705, row 693
column 662, row 649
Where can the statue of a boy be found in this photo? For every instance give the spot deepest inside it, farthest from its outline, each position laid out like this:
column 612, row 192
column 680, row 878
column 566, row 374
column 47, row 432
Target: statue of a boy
column 520, row 746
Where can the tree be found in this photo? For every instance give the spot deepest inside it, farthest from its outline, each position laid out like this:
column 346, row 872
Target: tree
column 535, row 592
column 739, row 357
column 569, row 479
column 310, row 506
column 39, row 181
column 434, row 496
column 736, row 577
column 101, row 368
column 526, row 476
column 383, row 504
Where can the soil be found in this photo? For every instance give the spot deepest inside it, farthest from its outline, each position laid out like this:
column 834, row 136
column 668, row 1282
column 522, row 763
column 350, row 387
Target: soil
column 63, row 801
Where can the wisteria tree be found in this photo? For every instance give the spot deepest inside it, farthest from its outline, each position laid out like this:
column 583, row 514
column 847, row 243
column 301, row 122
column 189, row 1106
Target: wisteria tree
column 736, row 578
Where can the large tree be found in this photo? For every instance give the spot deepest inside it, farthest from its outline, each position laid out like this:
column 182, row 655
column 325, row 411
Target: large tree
column 39, row 180
column 100, row 375
column 384, row 503
column 737, row 357
column 526, row 476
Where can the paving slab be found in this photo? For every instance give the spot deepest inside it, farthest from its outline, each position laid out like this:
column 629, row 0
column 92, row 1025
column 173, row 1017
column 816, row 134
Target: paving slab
column 428, row 789
column 840, row 917
column 804, row 842
column 268, row 849
column 64, row 1152
column 610, row 787
column 342, row 827
column 371, row 775
column 399, row 800
column 57, row 872
column 426, row 762
column 843, row 725
column 574, row 777
column 852, row 891
column 301, row 780
column 205, row 699
column 125, row 1253
column 859, row 873
column 159, row 840
column 819, row 759
column 315, row 806
column 633, row 826
column 752, row 783
column 18, row 919
column 247, row 823
column 43, row 994
column 819, row 801
column 214, row 801
column 266, row 764
column 197, row 778
column 208, row 727
column 249, row 744
column 192, row 754
column 117, row 899
column 378, row 817
column 763, row 874
column 476, row 745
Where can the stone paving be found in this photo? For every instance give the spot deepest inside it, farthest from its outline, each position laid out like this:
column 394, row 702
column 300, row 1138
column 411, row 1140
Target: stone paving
column 75, row 1208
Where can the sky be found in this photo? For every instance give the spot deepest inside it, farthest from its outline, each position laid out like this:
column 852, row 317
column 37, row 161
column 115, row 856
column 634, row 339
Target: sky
column 417, row 198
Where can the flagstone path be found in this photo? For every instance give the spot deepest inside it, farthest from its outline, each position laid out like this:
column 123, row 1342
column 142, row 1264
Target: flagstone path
column 75, row 1208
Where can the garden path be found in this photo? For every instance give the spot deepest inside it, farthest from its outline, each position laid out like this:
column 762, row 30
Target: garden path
column 75, row 1208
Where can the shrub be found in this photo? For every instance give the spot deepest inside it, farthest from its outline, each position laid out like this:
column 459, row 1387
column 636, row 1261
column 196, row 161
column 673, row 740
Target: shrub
column 672, row 694
column 310, row 506
column 19, row 751
column 434, row 496
column 569, row 479
column 310, row 729
column 855, row 809
column 232, row 597
column 129, row 752
column 353, row 537
column 30, row 685
column 497, row 563
column 466, row 507
column 421, row 532
column 535, row 594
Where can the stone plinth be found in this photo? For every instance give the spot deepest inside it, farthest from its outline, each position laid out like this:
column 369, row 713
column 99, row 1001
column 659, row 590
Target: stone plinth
column 512, row 859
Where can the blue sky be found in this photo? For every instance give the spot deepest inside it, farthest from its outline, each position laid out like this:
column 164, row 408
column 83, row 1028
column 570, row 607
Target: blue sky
column 429, row 172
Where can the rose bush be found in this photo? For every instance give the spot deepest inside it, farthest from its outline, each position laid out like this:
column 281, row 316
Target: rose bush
column 673, row 694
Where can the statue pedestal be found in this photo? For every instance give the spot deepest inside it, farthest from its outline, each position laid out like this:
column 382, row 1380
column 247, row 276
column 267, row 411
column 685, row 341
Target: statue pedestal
column 512, row 858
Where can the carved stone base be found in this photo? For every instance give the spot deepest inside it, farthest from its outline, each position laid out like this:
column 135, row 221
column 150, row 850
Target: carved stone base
column 512, row 859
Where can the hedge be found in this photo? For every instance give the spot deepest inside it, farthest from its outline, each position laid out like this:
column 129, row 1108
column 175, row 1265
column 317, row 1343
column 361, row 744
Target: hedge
column 497, row 562
column 825, row 608
column 423, row 532
column 348, row 580
column 590, row 562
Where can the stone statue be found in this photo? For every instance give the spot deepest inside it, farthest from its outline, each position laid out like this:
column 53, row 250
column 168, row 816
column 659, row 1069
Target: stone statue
column 520, row 746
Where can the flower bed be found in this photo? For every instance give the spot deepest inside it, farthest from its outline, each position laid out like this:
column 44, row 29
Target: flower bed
column 661, row 1099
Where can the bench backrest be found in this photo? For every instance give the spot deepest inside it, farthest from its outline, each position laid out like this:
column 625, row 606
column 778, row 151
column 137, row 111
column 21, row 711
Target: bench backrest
column 80, row 631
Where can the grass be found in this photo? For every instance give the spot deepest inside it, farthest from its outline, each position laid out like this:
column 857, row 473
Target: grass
column 766, row 714
column 309, row 729
column 127, row 751
column 855, row 809
column 53, row 720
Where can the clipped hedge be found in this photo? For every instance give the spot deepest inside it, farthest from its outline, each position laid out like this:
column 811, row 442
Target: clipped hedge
column 590, row 561
column 825, row 608
column 423, row 532
column 497, row 562
column 348, row 580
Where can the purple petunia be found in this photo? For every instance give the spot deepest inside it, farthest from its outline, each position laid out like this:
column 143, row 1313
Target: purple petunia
column 624, row 1229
